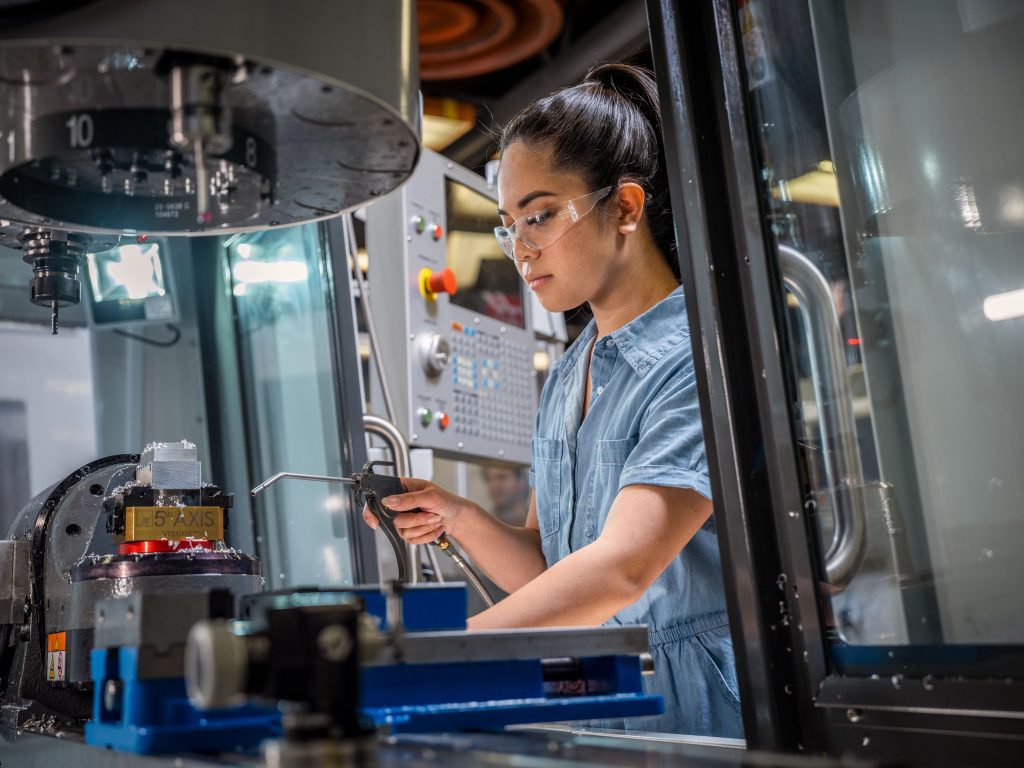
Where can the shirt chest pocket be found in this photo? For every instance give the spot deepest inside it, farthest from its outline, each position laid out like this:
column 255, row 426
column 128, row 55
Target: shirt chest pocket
column 609, row 458
column 547, row 455
column 613, row 453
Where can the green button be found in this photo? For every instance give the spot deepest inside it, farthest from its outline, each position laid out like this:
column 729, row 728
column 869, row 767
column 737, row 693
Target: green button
column 420, row 224
column 426, row 417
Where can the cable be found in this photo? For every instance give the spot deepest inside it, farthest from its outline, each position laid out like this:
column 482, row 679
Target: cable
column 153, row 342
column 445, row 545
column 371, row 327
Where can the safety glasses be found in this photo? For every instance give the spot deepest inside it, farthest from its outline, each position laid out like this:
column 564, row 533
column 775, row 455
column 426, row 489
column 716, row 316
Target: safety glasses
column 540, row 229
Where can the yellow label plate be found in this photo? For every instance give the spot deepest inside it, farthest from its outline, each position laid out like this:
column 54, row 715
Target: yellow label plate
column 173, row 523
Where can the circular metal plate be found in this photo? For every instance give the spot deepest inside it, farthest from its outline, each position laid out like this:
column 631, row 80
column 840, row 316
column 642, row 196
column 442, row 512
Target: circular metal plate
column 170, row 564
column 85, row 145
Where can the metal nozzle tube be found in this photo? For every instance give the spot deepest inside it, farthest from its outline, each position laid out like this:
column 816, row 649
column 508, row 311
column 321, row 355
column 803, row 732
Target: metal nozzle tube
column 282, row 475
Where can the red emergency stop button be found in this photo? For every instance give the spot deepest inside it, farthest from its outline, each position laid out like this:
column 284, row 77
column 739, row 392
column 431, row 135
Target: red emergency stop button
column 442, row 282
column 433, row 283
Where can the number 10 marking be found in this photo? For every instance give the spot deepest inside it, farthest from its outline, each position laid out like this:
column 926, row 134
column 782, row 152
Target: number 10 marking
column 80, row 131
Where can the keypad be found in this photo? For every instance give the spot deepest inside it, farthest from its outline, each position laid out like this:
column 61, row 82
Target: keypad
column 493, row 381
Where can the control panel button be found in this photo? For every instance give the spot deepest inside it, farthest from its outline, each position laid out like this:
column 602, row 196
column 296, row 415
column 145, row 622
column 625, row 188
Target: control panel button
column 436, row 232
column 432, row 283
column 443, row 281
column 443, row 420
column 426, row 416
column 419, row 224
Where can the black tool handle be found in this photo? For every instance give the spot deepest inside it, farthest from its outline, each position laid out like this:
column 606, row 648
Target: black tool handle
column 374, row 488
column 383, row 486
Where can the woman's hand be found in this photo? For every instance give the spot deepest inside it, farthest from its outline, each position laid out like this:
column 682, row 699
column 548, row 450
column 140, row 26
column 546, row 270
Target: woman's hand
column 429, row 510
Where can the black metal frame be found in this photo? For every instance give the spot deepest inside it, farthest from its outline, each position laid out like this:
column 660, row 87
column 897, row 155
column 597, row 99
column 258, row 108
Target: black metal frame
column 793, row 698
column 227, row 428
column 348, row 389
column 732, row 385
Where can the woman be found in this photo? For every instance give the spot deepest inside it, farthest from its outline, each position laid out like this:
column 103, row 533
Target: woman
column 619, row 529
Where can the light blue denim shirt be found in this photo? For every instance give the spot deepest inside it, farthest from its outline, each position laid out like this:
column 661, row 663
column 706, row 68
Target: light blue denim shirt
column 642, row 427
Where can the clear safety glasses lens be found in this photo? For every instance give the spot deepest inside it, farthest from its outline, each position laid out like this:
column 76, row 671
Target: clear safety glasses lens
column 541, row 228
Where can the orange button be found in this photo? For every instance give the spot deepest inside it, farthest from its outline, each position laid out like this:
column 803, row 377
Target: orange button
column 442, row 282
column 436, row 231
column 443, row 420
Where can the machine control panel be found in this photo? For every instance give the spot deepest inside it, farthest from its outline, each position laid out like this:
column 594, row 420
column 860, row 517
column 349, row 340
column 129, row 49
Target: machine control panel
column 458, row 324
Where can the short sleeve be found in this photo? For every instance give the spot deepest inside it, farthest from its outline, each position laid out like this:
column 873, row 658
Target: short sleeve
column 670, row 448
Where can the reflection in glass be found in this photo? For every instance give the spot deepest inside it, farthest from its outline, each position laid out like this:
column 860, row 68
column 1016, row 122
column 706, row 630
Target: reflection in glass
column 130, row 284
column 14, row 488
column 907, row 403
column 280, row 294
column 127, row 272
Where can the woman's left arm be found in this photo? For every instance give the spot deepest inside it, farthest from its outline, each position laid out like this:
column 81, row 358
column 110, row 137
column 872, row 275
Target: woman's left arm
column 647, row 526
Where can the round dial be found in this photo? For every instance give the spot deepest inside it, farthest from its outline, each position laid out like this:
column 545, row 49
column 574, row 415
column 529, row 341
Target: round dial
column 434, row 352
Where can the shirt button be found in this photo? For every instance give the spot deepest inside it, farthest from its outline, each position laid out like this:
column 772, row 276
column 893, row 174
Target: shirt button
column 600, row 390
column 611, row 342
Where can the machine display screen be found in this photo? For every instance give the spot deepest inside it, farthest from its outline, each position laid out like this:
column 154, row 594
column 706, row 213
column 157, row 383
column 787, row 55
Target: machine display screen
column 487, row 279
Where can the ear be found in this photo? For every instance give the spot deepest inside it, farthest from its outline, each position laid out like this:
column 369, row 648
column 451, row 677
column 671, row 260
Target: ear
column 631, row 198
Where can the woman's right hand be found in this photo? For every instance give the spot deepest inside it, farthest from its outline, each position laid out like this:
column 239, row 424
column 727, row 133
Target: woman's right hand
column 428, row 511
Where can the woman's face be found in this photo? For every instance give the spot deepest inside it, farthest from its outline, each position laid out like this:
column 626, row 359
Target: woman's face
column 578, row 266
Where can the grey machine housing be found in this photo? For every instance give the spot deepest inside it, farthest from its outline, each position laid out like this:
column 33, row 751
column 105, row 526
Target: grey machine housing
column 61, row 558
column 442, row 357
column 303, row 114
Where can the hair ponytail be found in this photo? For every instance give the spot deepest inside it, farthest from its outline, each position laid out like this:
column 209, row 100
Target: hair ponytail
column 607, row 129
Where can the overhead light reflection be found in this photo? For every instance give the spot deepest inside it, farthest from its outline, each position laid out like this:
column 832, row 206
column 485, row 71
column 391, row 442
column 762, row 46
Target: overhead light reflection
column 253, row 272
column 968, row 203
column 1011, row 204
column 1004, row 306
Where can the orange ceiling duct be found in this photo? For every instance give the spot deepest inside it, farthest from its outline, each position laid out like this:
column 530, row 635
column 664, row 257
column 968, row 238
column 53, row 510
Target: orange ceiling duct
column 465, row 38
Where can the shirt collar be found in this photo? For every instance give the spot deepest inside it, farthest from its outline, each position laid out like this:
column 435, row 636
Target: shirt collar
column 644, row 340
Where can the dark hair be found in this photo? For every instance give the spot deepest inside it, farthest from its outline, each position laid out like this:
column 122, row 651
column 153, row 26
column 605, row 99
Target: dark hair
column 607, row 130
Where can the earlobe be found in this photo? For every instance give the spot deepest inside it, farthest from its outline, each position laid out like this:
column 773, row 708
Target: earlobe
column 631, row 207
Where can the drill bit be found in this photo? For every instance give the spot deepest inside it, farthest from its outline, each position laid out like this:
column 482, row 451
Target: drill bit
column 203, row 215
column 53, row 318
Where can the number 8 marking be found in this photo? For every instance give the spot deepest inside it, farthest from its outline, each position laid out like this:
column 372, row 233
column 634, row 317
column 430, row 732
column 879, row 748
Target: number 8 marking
column 250, row 152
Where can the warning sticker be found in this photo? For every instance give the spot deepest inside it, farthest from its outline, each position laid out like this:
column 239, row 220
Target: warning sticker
column 56, row 655
column 55, row 665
